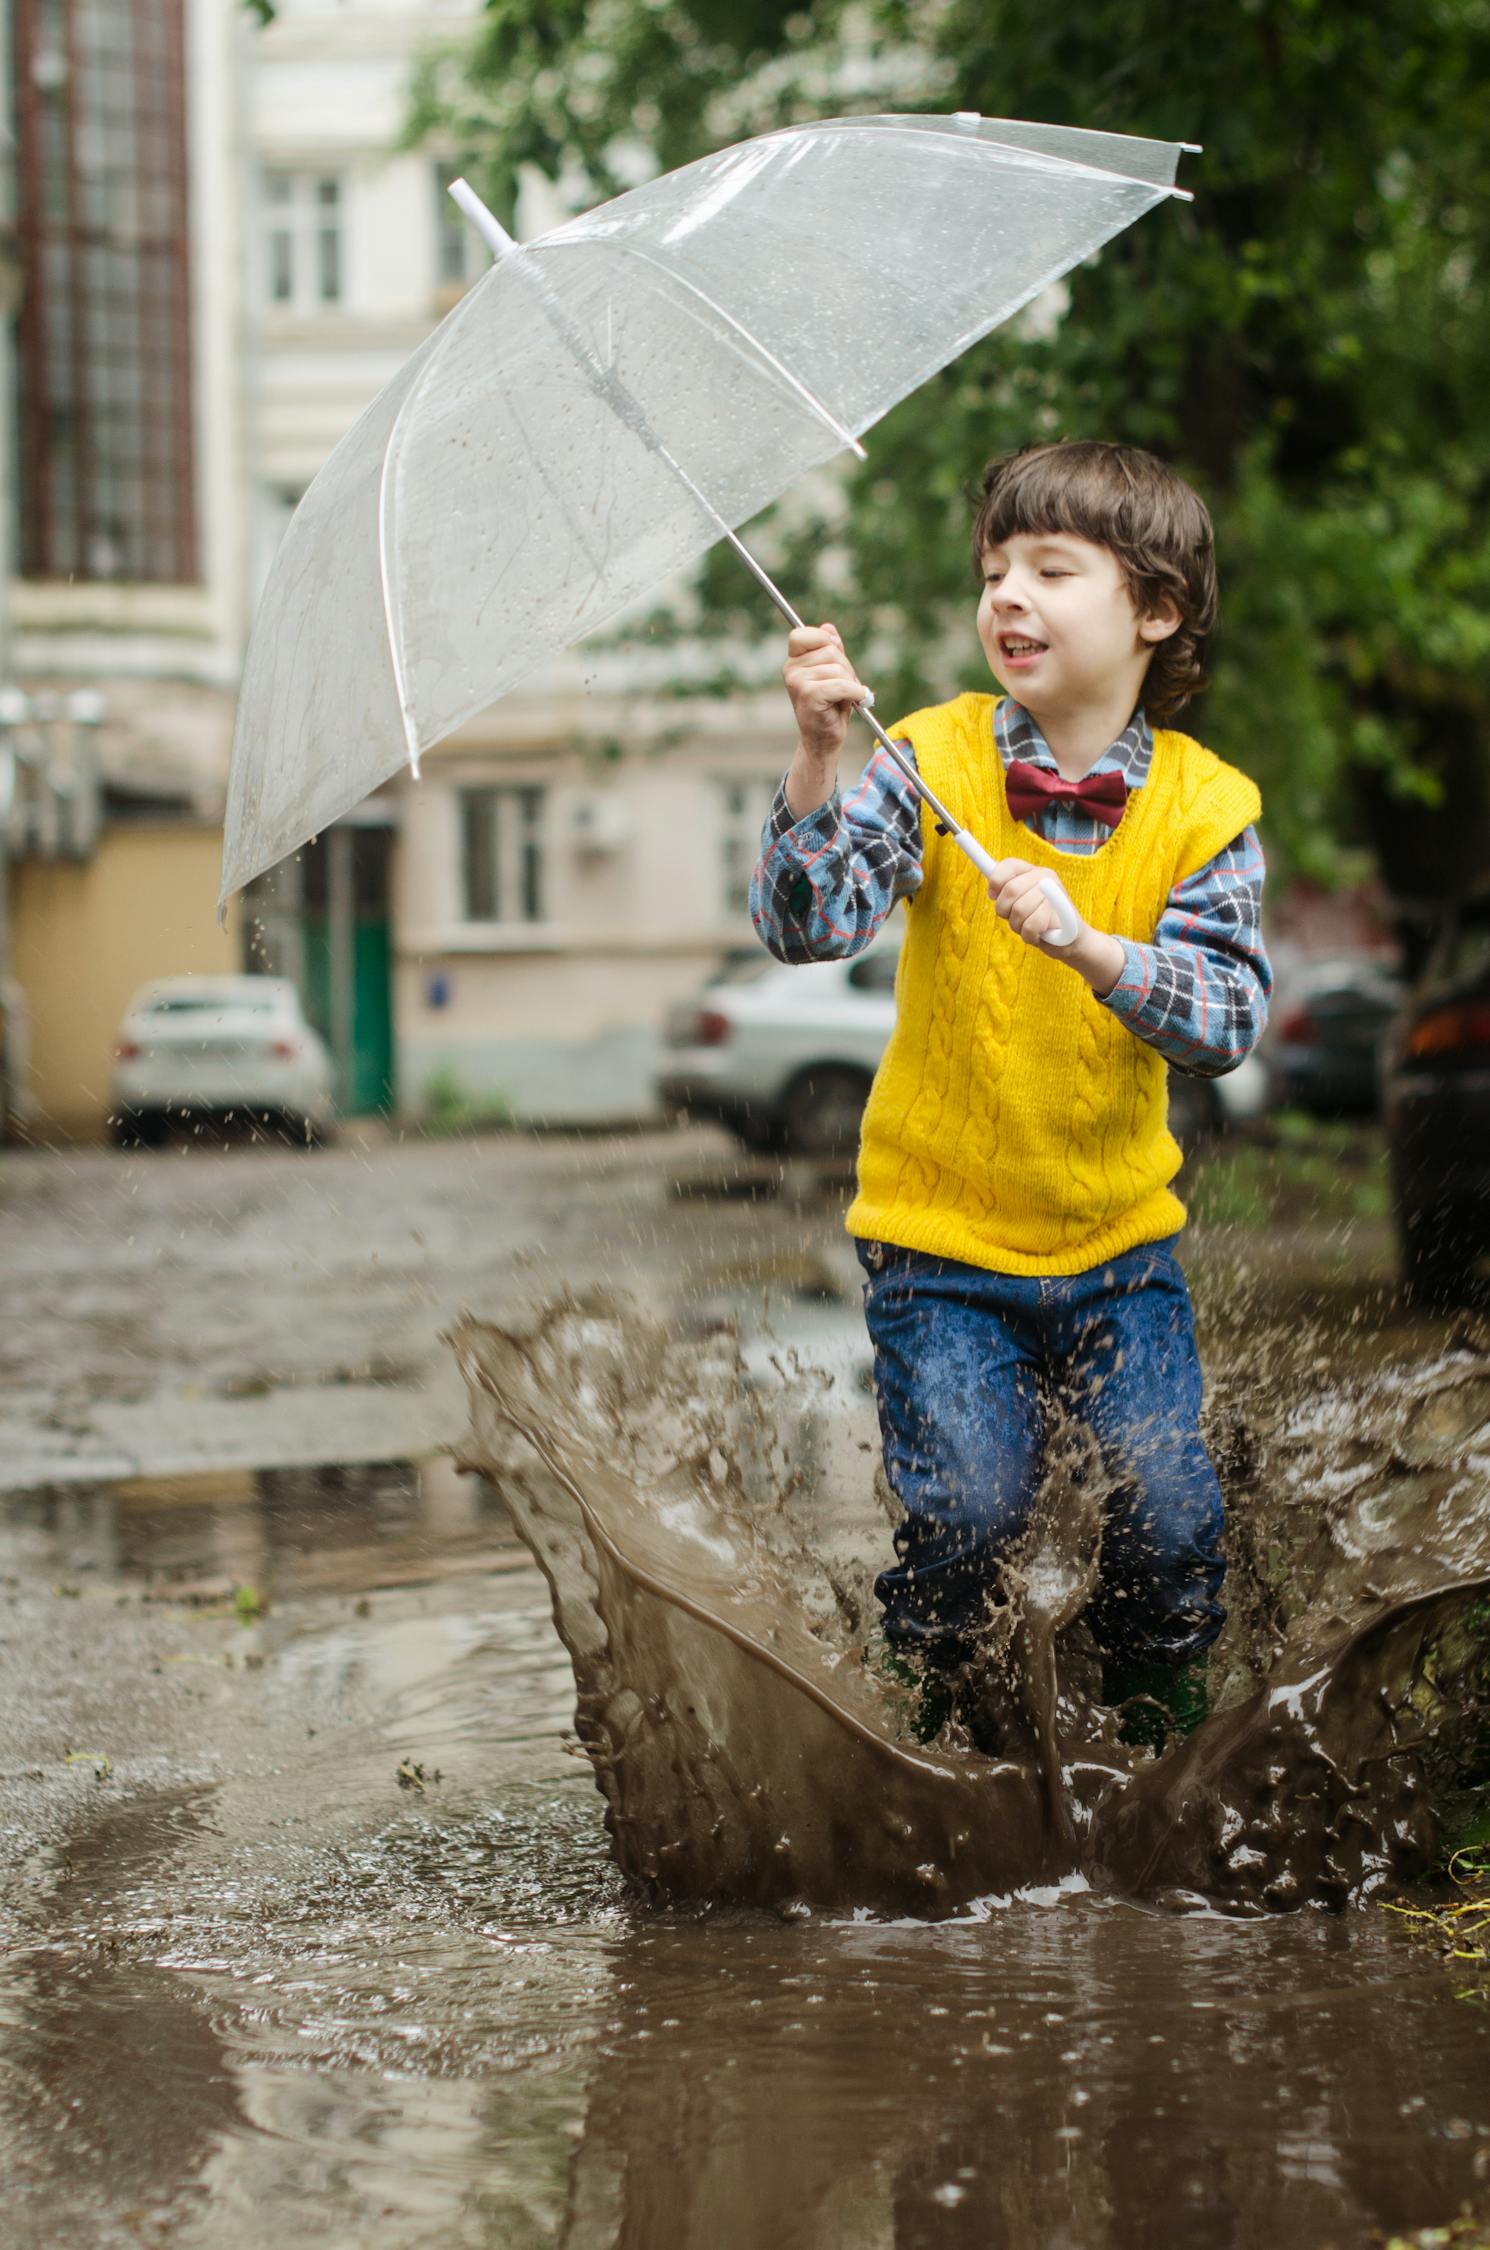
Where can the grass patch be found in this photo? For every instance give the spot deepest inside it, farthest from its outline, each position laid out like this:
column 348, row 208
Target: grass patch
column 451, row 1108
column 1293, row 1170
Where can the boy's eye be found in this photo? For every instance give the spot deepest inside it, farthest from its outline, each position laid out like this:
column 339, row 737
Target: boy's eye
column 1053, row 573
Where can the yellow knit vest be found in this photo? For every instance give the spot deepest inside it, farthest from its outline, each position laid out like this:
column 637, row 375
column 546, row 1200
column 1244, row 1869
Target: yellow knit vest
column 1014, row 1122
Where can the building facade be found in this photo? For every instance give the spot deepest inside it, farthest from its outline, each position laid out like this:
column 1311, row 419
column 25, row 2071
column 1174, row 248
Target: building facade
column 224, row 251
column 127, row 551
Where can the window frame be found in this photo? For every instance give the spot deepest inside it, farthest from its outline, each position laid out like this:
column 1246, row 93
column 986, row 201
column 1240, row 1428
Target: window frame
column 106, row 401
column 295, row 234
column 511, row 859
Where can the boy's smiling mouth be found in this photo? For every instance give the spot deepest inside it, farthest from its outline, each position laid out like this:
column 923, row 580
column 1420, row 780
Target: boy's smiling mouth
column 1018, row 648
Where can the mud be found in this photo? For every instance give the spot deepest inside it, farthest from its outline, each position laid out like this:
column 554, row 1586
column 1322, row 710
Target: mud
column 254, row 1992
column 726, row 1693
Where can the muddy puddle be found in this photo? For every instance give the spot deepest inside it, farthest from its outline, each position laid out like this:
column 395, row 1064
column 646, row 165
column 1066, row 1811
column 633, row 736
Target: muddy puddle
column 277, row 1995
column 705, row 1518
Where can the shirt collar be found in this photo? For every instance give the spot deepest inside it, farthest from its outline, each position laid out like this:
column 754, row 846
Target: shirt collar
column 1018, row 736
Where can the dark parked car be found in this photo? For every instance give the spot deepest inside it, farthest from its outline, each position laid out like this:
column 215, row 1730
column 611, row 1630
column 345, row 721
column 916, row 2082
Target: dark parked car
column 1330, row 1021
column 1437, row 1103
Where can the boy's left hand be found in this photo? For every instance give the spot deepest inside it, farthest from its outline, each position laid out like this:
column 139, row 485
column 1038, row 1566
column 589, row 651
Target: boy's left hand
column 1021, row 902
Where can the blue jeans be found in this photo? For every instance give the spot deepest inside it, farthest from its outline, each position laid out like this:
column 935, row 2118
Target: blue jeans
column 963, row 1362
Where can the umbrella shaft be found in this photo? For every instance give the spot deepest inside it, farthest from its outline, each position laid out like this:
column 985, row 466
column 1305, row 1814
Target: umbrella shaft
column 891, row 749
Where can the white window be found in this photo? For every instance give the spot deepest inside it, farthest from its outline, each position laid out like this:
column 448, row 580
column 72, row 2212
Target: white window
column 302, row 240
column 744, row 806
column 461, row 256
column 502, row 854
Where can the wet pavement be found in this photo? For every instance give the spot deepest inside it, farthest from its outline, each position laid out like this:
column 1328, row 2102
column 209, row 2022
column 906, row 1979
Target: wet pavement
column 312, row 1935
column 190, row 1308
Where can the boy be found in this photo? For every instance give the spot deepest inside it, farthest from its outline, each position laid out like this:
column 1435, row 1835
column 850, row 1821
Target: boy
column 1014, row 1217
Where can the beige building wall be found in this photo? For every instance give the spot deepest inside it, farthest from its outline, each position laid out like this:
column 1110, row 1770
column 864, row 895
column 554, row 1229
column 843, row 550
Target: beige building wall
column 87, row 935
column 560, row 1019
column 163, row 660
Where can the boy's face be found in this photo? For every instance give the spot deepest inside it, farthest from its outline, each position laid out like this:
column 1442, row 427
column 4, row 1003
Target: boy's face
column 1058, row 624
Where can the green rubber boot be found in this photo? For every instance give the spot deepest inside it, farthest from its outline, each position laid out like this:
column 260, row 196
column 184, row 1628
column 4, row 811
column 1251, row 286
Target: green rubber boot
column 1161, row 1699
column 929, row 1695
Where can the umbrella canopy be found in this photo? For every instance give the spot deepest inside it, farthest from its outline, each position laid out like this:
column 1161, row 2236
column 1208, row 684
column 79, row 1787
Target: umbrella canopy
column 611, row 398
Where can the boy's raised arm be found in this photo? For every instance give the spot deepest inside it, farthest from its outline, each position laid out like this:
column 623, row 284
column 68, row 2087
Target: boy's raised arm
column 831, row 868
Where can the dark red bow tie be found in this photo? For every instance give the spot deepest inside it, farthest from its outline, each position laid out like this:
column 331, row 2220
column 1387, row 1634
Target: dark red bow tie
column 1031, row 788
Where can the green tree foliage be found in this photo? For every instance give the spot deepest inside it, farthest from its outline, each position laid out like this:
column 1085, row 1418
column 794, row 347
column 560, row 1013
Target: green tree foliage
column 1308, row 340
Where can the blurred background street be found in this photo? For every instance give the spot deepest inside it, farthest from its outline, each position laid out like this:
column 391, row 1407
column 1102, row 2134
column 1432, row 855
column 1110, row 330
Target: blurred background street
column 311, row 1933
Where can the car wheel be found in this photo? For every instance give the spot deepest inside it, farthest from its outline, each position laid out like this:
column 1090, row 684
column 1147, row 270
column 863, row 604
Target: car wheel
column 1434, row 1272
column 138, row 1128
column 760, row 1136
column 284, row 1129
column 821, row 1110
column 1194, row 1109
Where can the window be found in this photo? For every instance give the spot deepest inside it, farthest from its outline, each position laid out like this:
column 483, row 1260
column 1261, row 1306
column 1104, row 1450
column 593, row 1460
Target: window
column 302, row 239
column 501, row 845
column 104, row 337
column 460, row 255
column 745, row 805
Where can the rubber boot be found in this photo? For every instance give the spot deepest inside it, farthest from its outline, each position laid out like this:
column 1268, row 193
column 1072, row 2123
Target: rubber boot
column 1161, row 1699
column 930, row 1698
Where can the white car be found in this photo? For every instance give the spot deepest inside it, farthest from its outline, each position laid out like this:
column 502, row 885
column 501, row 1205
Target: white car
column 784, row 1056
column 221, row 1047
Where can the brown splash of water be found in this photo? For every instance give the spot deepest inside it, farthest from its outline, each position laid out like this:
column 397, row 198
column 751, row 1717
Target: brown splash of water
column 710, row 1581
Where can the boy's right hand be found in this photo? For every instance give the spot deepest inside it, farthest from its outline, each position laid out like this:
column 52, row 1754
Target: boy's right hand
column 824, row 688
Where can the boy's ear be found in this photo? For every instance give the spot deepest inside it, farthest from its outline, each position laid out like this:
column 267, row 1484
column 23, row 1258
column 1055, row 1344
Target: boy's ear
column 1160, row 623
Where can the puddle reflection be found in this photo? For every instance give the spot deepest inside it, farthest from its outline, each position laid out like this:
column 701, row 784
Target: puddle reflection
column 357, row 1525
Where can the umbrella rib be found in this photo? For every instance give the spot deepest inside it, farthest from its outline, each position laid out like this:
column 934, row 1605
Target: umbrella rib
column 624, row 403
column 395, row 653
column 736, row 329
column 1038, row 159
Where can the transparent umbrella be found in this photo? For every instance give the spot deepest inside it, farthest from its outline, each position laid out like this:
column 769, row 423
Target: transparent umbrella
column 615, row 396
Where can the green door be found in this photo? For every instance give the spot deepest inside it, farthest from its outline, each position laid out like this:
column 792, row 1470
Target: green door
column 367, row 1077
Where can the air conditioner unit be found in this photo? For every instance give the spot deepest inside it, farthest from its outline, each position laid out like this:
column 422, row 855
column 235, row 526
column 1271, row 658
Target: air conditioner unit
column 599, row 821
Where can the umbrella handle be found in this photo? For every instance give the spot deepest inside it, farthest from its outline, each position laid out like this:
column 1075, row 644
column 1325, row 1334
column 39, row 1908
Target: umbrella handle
column 1068, row 921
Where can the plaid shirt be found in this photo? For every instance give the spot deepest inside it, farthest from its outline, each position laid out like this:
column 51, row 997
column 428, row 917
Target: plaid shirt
column 1199, row 993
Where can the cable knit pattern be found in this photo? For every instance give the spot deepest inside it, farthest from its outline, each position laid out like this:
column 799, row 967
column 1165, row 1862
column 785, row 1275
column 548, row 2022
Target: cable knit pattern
column 1015, row 1123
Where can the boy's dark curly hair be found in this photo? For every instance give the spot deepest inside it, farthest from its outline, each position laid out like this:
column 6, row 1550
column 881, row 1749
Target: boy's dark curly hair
column 1145, row 513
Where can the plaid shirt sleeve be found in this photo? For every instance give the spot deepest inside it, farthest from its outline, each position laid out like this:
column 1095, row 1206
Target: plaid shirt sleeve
column 824, row 884
column 1200, row 992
